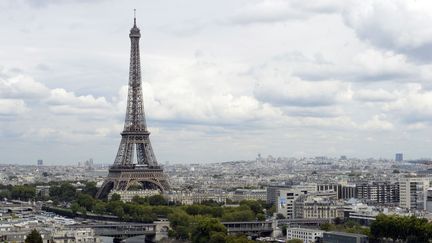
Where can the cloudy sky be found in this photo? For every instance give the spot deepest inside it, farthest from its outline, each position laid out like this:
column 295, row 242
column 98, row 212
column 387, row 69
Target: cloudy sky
column 222, row 80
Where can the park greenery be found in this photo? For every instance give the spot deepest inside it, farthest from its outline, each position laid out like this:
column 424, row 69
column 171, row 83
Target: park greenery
column 294, row 241
column 388, row 228
column 348, row 226
column 408, row 229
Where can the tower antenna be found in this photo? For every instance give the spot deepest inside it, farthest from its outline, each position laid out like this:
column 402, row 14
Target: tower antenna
column 134, row 16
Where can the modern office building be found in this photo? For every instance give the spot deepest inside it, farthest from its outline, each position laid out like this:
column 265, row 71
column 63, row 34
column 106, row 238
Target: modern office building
column 328, row 187
column 273, row 193
column 399, row 157
column 287, row 198
column 413, row 192
column 381, row 193
column 40, row 162
column 344, row 191
column 361, row 213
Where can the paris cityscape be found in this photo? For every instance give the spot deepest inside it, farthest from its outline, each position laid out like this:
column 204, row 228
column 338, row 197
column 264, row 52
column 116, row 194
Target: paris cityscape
column 215, row 122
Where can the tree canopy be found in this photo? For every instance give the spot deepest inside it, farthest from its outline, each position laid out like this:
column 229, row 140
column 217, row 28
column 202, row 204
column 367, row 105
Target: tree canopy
column 34, row 237
column 404, row 228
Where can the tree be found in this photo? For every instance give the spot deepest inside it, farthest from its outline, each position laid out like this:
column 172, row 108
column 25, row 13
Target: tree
column 119, row 212
column 34, row 237
column 86, row 201
column 284, row 230
column 260, row 217
column 210, row 202
column 157, row 200
column 23, row 192
column 204, row 228
column 5, row 194
column 99, row 208
column 244, row 215
column 115, row 197
column 271, row 210
column 139, row 200
column 90, row 188
column 238, row 239
column 351, row 223
column 161, row 211
column 75, row 207
column 217, row 237
column 82, row 211
column 255, row 206
column 280, row 216
column 337, row 220
column 408, row 229
column 294, row 241
column 180, row 222
column 63, row 193
column 327, row 227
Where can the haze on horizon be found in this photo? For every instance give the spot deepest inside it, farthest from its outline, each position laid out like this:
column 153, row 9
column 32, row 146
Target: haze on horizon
column 222, row 80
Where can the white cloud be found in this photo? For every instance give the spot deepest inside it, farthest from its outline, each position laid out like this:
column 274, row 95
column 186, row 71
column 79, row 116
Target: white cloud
column 235, row 78
column 398, row 25
column 63, row 102
column 266, row 12
column 374, row 95
column 271, row 11
column 21, row 86
column 413, row 105
column 291, row 91
column 63, row 97
column 377, row 123
column 385, row 65
column 10, row 107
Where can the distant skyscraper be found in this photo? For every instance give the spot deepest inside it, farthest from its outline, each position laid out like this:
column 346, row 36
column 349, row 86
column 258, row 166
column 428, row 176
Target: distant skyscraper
column 399, row 157
column 40, row 162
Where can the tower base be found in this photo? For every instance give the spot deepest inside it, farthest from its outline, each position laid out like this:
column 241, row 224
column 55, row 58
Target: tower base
column 122, row 178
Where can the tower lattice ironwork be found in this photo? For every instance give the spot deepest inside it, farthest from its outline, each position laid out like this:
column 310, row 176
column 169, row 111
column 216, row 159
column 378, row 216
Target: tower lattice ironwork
column 127, row 170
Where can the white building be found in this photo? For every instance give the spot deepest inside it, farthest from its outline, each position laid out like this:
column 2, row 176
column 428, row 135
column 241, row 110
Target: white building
column 127, row 196
column 413, row 192
column 306, row 235
column 189, row 198
column 83, row 235
column 249, row 194
column 317, row 206
column 287, row 198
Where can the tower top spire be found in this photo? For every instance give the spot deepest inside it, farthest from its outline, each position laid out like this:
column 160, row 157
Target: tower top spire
column 134, row 17
column 135, row 32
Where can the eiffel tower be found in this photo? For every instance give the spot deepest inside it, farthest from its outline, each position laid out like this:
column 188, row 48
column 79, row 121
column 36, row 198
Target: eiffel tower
column 125, row 172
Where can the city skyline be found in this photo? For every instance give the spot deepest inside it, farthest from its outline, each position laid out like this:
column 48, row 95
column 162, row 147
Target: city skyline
column 221, row 80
